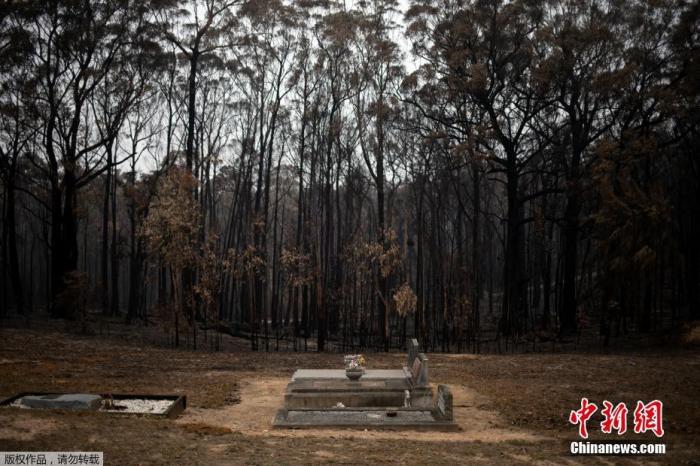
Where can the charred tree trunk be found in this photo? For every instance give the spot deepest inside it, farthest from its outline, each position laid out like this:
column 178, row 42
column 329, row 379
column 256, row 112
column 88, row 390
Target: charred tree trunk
column 114, row 251
column 105, row 235
column 513, row 306
column 567, row 309
column 10, row 232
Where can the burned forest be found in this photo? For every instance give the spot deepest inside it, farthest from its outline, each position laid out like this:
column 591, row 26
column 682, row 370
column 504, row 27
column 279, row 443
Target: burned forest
column 321, row 175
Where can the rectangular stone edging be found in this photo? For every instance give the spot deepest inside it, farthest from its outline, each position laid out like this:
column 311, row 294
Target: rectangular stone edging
column 178, row 406
column 280, row 421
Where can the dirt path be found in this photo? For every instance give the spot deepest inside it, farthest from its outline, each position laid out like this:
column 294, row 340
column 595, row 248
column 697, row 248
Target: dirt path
column 261, row 397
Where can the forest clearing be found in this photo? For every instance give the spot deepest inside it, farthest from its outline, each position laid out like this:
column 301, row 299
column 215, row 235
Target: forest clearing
column 512, row 409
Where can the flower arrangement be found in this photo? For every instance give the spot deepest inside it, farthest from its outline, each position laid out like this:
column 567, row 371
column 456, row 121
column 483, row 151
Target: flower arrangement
column 354, row 362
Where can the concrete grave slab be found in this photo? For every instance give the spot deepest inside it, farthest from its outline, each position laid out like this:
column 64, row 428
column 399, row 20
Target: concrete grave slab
column 444, row 408
column 159, row 406
column 76, row 401
column 359, row 418
column 339, row 374
column 381, row 398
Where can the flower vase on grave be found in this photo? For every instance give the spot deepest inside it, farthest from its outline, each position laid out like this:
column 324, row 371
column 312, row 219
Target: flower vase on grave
column 354, row 366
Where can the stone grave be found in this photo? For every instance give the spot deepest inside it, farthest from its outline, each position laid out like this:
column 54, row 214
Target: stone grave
column 75, row 401
column 169, row 406
column 382, row 397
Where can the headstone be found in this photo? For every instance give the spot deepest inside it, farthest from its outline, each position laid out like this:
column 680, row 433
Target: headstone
column 413, row 350
column 76, row 401
column 415, row 370
column 420, row 375
column 443, row 409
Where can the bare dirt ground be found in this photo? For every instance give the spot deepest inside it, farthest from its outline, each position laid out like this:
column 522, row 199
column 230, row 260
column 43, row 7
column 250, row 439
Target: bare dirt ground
column 511, row 408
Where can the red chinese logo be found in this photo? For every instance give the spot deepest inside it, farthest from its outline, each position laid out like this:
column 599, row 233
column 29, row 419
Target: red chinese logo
column 582, row 416
column 615, row 419
column 647, row 417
